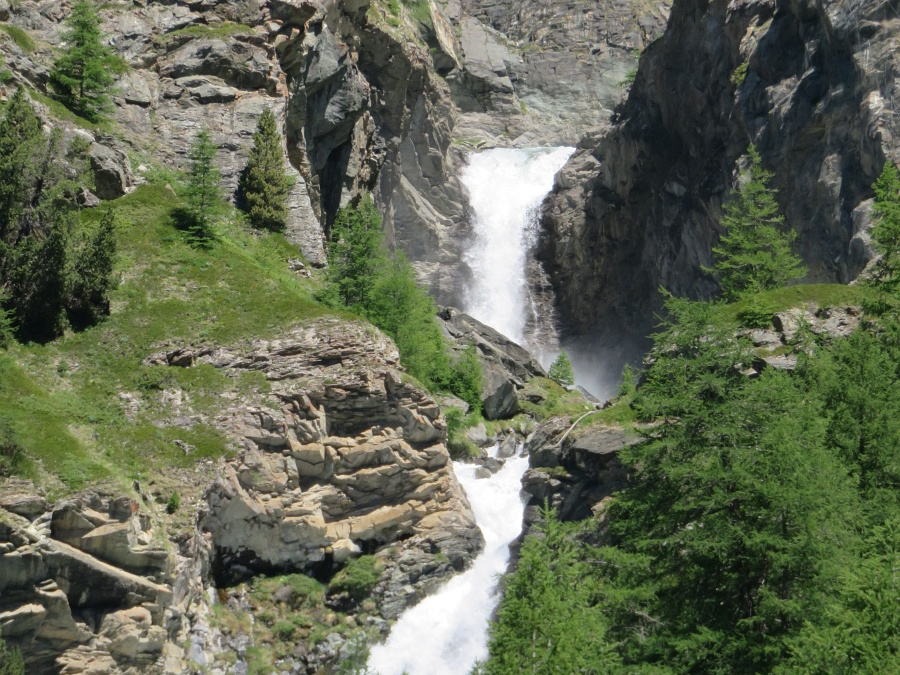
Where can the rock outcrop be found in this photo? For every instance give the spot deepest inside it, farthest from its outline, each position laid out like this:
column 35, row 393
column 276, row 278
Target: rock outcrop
column 340, row 456
column 85, row 582
column 505, row 365
column 572, row 470
column 538, row 73
column 637, row 206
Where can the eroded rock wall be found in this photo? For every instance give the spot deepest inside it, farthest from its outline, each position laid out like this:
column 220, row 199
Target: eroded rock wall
column 638, row 204
column 340, row 456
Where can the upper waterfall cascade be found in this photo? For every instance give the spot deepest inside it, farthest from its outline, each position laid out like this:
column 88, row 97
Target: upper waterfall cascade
column 506, row 188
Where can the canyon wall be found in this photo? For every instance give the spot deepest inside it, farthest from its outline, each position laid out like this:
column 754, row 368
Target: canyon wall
column 813, row 85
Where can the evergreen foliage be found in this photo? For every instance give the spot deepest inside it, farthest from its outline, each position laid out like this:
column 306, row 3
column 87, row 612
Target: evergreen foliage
column 362, row 276
column 561, row 370
column 760, row 530
column 92, row 277
column 11, row 662
column 202, row 194
column 82, row 75
column 264, row 183
column 548, row 622
column 754, row 251
column 355, row 255
column 52, row 274
column 886, row 233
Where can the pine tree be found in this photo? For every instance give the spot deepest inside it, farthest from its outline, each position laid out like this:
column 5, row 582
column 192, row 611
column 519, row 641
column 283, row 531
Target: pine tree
column 887, row 231
column 355, row 253
column 754, row 251
column 264, row 183
column 203, row 194
column 92, row 275
column 81, row 76
column 37, row 282
column 561, row 370
column 21, row 135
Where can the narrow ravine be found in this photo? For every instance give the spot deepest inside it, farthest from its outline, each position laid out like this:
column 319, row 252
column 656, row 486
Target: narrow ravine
column 447, row 632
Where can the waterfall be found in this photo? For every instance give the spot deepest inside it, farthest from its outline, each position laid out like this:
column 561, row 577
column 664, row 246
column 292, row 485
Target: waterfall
column 506, row 188
column 447, row 632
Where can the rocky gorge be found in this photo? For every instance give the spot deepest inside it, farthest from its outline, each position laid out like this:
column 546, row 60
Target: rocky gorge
column 813, row 86
column 338, row 455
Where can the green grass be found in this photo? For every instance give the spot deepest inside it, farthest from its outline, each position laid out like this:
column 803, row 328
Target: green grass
column 61, row 112
column 781, row 299
column 220, row 31
column 20, row 37
column 63, row 398
column 555, row 400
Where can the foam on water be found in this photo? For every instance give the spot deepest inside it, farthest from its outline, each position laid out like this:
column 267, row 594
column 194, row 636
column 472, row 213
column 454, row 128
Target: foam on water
column 447, row 632
column 506, row 188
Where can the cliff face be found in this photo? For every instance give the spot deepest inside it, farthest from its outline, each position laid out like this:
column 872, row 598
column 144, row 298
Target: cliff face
column 340, row 457
column 538, row 73
column 636, row 208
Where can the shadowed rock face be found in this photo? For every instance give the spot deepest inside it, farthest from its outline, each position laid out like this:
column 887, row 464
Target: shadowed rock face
column 637, row 206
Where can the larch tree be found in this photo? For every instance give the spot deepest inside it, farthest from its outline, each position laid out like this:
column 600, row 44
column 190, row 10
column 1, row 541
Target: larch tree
column 887, row 230
column 264, row 182
column 561, row 370
column 82, row 75
column 754, row 251
column 203, row 193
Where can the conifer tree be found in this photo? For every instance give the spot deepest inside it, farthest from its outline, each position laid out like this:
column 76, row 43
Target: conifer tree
column 20, row 137
column 754, row 252
column 264, row 183
column 203, row 193
column 887, row 231
column 92, row 276
column 561, row 370
column 81, row 76
column 355, row 254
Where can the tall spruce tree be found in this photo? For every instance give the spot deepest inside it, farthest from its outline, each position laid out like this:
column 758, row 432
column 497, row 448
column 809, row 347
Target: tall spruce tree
column 203, row 193
column 355, row 254
column 264, row 183
column 887, row 230
column 42, row 274
column 754, row 250
column 92, row 274
column 82, row 75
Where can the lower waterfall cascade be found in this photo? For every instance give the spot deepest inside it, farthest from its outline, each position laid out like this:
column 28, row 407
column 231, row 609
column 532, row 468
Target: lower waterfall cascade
column 446, row 633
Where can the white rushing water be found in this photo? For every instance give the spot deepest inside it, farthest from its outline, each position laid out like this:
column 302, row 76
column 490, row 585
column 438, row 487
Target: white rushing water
column 506, row 188
column 447, row 632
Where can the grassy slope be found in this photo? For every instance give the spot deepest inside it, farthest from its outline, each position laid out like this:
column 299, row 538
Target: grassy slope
column 61, row 401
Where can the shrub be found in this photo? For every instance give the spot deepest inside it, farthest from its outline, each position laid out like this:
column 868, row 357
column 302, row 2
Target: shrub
column 357, row 578
column 173, row 504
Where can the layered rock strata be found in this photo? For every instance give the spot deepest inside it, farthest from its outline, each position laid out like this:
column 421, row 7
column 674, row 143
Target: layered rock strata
column 342, row 456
